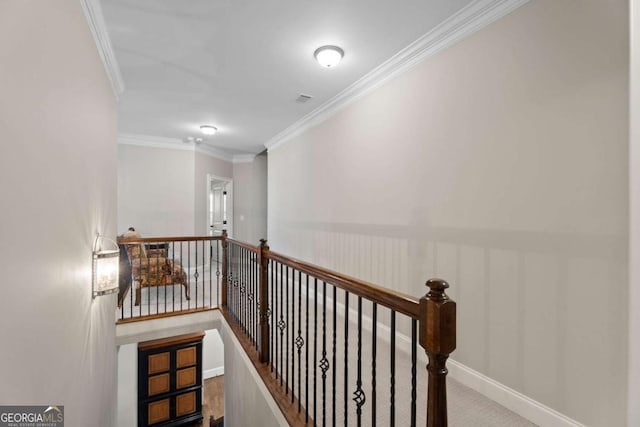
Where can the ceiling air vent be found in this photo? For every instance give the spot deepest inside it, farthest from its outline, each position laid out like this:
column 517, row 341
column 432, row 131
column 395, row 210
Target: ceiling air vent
column 302, row 98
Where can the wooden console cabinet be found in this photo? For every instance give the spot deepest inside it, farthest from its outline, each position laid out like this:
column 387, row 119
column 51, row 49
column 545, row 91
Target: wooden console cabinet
column 170, row 381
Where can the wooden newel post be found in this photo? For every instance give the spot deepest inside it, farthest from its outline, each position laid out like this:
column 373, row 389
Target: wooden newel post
column 438, row 338
column 264, row 301
column 225, row 268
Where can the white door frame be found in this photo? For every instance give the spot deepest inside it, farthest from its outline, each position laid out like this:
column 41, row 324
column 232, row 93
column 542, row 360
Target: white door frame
column 211, row 177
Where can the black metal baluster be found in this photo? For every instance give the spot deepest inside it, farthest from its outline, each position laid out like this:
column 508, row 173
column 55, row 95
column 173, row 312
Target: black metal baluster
column 293, row 333
column 132, row 287
column 299, row 340
column 149, row 290
column 218, row 249
column 253, row 300
column 249, row 294
column 414, row 358
column 324, row 363
column 239, row 273
column 232, row 279
column 273, row 323
column 315, row 345
column 286, row 353
column 173, row 261
column 245, row 295
column 255, row 304
column 188, row 275
column 204, row 276
column 281, row 323
column 306, row 356
column 211, row 272
column 196, row 275
column 392, row 411
column 231, row 276
column 243, row 273
column 157, row 288
column 346, row 355
column 166, row 245
column 374, row 333
column 358, row 396
column 333, row 358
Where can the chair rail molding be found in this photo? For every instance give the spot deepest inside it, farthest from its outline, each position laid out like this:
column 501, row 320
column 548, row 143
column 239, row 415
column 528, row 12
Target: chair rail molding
column 95, row 20
column 468, row 20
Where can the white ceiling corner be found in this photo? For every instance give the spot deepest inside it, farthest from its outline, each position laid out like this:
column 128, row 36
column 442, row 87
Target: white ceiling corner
column 468, row 20
column 243, row 158
column 149, row 141
column 154, row 142
column 95, row 19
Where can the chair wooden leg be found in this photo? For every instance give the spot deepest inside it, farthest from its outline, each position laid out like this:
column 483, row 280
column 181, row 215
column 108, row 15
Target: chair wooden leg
column 186, row 290
column 138, row 294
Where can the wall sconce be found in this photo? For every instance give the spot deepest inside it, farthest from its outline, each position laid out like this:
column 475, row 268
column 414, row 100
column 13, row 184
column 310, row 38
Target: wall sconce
column 105, row 268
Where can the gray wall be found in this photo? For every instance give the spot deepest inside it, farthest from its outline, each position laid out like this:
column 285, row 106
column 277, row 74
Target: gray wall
column 58, row 125
column 162, row 192
column 501, row 165
column 156, row 190
column 250, row 200
column 247, row 402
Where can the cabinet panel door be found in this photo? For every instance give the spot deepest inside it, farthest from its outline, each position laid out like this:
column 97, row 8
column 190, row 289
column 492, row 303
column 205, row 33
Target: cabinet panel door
column 186, row 357
column 158, row 411
column 159, row 384
column 159, row 362
column 185, row 403
column 186, row 377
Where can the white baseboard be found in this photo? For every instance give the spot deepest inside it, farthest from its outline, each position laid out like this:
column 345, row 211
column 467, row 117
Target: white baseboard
column 515, row 401
column 215, row 372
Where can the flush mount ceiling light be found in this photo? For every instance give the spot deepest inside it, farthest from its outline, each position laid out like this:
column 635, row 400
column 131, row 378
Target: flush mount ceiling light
column 208, row 129
column 328, row 56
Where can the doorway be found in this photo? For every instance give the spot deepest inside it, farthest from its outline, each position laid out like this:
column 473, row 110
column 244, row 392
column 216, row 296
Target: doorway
column 219, row 205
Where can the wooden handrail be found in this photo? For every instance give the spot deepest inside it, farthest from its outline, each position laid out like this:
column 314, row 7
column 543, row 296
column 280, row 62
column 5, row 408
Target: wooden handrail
column 435, row 313
column 166, row 239
column 245, row 245
column 397, row 301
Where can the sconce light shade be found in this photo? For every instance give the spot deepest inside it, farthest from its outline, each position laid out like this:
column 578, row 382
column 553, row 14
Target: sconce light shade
column 105, row 269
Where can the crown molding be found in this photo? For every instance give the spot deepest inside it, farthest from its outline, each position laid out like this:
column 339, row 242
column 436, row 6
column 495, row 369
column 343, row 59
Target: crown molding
column 214, row 152
column 95, row 19
column 460, row 25
column 149, row 141
column 154, row 142
column 243, row 158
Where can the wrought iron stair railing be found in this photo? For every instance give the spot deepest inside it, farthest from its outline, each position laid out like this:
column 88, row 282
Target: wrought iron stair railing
column 336, row 350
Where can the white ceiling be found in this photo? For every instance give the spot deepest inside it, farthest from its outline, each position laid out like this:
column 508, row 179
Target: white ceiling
column 240, row 64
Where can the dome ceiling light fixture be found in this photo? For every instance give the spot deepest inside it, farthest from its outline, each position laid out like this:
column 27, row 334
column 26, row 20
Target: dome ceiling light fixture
column 328, row 56
column 208, row 129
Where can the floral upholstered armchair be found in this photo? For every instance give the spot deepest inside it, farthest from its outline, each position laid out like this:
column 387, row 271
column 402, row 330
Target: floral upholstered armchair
column 152, row 267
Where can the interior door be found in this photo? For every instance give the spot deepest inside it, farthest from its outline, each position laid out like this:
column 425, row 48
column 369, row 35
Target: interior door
column 219, row 207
